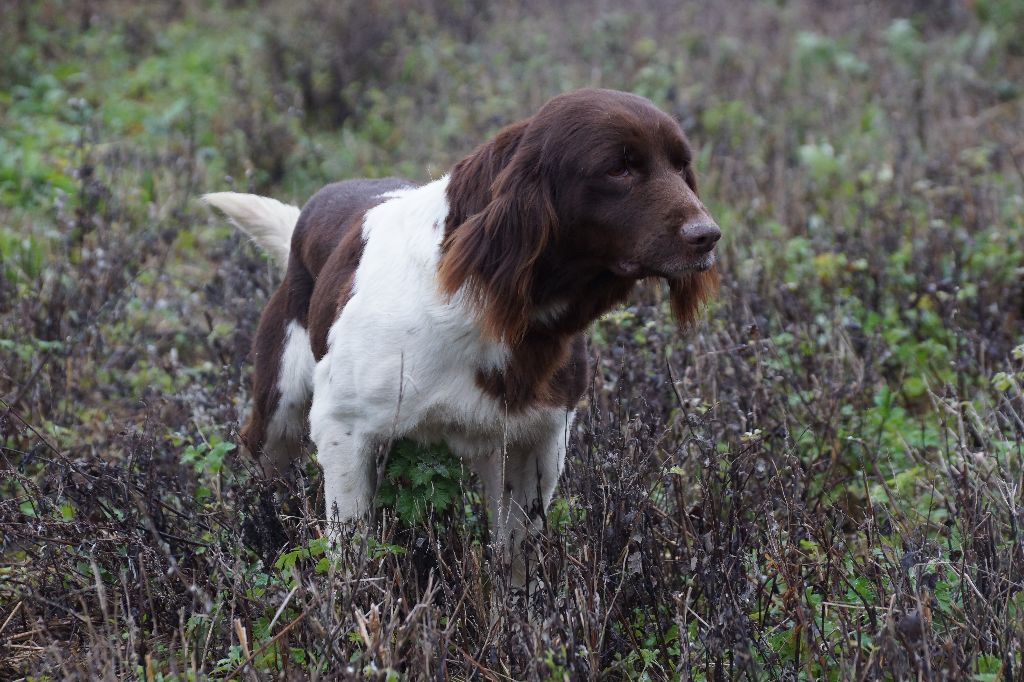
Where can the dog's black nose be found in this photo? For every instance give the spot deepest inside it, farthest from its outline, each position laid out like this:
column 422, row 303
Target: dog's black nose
column 701, row 236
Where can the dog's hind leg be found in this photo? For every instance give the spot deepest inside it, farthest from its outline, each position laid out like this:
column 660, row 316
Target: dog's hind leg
column 289, row 422
column 282, row 388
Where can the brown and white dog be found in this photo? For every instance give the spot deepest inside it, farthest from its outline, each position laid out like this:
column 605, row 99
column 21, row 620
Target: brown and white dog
column 454, row 311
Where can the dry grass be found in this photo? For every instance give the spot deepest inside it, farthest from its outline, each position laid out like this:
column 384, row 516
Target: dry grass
column 824, row 480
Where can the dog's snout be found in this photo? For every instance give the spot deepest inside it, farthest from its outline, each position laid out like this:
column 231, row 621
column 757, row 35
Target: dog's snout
column 701, row 236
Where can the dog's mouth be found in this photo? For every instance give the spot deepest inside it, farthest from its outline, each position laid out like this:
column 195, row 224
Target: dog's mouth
column 704, row 262
column 636, row 269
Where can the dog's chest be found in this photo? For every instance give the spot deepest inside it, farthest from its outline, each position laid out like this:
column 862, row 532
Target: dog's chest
column 403, row 359
column 424, row 377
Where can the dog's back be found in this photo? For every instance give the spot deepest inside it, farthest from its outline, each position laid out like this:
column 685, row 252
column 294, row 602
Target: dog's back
column 327, row 232
column 330, row 230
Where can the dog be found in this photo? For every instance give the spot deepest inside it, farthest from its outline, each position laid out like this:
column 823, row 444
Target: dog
column 455, row 311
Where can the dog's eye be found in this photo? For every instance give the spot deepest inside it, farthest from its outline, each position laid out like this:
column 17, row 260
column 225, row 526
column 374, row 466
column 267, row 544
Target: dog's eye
column 619, row 171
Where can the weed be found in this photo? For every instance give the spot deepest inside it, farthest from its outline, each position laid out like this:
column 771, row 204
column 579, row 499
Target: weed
column 822, row 481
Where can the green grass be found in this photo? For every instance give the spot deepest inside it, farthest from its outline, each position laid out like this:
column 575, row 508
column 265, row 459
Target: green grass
column 822, row 481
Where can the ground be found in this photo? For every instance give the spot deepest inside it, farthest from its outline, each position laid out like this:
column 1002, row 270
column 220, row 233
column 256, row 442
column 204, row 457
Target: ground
column 823, row 480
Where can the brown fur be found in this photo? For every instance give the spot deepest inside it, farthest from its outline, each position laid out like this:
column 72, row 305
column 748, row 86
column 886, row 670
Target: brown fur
column 266, row 356
column 538, row 222
column 326, row 247
column 550, row 224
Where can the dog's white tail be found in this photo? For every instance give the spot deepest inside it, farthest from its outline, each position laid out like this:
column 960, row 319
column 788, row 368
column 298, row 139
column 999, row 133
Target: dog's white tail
column 269, row 222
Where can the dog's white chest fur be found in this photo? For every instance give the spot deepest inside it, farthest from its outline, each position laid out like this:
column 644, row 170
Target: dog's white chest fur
column 402, row 360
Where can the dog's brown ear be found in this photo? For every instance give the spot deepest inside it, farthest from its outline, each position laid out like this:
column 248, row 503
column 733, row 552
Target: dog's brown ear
column 492, row 253
column 688, row 294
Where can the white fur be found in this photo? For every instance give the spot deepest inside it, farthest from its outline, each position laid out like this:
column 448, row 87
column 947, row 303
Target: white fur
column 267, row 221
column 287, row 427
column 402, row 362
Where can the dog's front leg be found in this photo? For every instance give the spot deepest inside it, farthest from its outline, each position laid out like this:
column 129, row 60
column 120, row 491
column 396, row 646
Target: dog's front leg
column 519, row 484
column 347, row 458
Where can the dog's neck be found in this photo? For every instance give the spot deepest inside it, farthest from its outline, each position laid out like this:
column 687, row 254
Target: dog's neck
column 568, row 297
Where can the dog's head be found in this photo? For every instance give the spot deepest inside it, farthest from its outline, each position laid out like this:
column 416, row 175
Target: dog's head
column 597, row 182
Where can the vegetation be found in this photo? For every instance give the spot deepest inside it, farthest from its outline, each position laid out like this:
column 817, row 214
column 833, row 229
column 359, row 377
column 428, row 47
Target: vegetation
column 825, row 480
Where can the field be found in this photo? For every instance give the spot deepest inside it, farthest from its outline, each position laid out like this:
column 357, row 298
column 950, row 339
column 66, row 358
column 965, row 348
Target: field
column 823, row 480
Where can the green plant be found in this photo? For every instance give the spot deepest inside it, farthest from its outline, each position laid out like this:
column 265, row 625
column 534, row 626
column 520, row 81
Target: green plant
column 420, row 480
column 207, row 456
column 771, row 494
